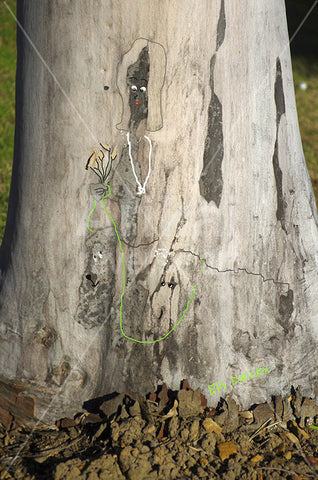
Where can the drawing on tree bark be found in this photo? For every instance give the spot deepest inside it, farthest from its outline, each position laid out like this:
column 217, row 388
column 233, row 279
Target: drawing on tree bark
column 140, row 78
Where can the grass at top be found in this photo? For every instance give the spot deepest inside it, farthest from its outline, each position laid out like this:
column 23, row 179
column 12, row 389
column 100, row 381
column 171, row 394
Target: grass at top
column 8, row 59
column 304, row 70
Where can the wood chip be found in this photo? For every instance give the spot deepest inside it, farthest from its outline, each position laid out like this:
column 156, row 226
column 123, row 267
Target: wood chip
column 211, row 426
column 292, row 438
column 257, row 458
column 226, row 449
column 297, row 430
column 160, row 434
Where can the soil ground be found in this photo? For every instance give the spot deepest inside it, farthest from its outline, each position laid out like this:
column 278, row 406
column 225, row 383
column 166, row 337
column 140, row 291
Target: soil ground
column 168, row 435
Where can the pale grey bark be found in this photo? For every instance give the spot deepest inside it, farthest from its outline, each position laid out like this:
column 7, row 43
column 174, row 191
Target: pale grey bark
column 228, row 185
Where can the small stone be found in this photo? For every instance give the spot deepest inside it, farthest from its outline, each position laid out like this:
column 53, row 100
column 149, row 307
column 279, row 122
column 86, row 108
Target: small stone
column 126, row 459
column 173, row 427
column 194, row 431
column 134, row 410
column 149, row 430
column 226, row 449
column 123, row 414
column 184, row 434
column 211, row 426
column 115, row 431
column 257, row 458
column 201, row 473
column 208, row 443
column 135, row 452
column 145, row 449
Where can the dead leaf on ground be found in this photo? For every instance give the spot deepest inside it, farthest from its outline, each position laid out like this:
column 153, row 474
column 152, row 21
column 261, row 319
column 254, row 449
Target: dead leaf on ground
column 173, row 412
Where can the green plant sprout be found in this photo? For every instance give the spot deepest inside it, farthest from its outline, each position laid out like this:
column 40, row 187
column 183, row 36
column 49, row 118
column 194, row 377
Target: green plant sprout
column 97, row 159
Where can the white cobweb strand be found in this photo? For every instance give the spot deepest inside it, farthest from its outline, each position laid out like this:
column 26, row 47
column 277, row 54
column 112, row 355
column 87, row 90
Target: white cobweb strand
column 141, row 188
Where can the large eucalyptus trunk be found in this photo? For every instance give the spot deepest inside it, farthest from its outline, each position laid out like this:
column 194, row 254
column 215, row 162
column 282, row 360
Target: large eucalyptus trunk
column 196, row 255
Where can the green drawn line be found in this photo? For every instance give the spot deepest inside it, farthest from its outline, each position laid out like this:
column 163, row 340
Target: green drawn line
column 314, row 426
column 90, row 213
column 124, row 278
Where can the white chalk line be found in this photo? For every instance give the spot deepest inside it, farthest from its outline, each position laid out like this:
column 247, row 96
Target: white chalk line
column 141, row 188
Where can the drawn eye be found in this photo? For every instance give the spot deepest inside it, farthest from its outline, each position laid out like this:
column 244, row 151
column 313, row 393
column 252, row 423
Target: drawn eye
column 171, row 285
column 100, row 255
column 143, row 89
column 162, row 284
column 134, row 88
column 95, row 258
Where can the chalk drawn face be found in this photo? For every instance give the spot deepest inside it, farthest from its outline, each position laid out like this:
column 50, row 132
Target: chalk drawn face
column 137, row 81
column 140, row 78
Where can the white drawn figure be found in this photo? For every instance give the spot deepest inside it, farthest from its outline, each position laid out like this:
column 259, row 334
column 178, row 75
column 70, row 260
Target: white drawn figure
column 140, row 78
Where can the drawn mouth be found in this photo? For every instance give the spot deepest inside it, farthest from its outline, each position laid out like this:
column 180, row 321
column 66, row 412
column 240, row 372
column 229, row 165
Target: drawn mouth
column 137, row 103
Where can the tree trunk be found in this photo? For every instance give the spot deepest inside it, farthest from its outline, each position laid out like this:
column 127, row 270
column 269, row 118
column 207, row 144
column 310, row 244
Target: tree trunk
column 196, row 257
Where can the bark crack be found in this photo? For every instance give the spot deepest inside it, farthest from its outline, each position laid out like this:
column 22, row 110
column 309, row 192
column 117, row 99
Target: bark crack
column 233, row 270
column 140, row 244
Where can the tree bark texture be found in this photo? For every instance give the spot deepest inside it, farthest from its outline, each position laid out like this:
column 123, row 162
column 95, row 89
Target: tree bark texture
column 197, row 256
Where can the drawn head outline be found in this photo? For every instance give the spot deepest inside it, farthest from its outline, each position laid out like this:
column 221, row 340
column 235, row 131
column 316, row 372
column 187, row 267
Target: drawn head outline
column 142, row 89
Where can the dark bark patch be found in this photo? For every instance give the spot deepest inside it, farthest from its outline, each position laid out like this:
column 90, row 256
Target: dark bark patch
column 221, row 27
column 286, row 308
column 281, row 204
column 137, row 80
column 97, row 287
column 211, row 181
column 280, row 110
column 279, row 93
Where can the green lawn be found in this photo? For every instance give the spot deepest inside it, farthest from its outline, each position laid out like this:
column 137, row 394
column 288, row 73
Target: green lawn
column 8, row 59
column 307, row 107
column 305, row 70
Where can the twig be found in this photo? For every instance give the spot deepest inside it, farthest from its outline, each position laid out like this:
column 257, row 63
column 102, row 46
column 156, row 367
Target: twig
column 259, row 429
column 49, row 451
